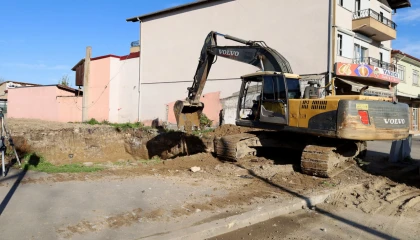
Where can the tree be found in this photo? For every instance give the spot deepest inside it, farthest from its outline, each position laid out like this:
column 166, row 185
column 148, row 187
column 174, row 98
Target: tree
column 65, row 80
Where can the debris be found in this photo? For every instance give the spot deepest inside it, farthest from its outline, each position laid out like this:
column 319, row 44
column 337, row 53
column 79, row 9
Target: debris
column 246, row 176
column 197, row 210
column 323, row 229
column 88, row 164
column 195, row 169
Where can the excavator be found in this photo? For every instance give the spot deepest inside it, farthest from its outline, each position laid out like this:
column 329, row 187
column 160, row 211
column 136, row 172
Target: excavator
column 329, row 129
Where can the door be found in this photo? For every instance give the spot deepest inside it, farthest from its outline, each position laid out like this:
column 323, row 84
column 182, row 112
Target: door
column 274, row 100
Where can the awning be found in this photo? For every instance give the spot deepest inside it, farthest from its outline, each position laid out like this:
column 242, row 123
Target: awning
column 371, row 91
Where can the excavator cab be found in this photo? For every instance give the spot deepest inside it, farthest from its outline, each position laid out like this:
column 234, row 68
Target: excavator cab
column 269, row 93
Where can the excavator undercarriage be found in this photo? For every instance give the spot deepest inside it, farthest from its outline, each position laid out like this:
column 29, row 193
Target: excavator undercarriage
column 322, row 157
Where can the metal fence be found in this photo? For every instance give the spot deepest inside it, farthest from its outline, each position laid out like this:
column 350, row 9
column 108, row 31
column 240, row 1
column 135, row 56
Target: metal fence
column 371, row 13
column 376, row 62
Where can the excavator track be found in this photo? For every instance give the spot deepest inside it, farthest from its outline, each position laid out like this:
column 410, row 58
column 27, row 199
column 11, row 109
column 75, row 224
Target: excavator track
column 329, row 161
column 235, row 147
column 322, row 160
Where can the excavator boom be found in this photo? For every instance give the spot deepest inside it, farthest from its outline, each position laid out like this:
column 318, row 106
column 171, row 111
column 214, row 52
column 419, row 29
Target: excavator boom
column 256, row 53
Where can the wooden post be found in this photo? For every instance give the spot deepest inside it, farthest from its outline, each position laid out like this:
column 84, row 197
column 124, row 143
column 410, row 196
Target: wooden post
column 86, row 85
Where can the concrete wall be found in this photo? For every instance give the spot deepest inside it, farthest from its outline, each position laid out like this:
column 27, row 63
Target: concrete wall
column 128, row 89
column 300, row 33
column 45, row 103
column 33, row 102
column 114, row 106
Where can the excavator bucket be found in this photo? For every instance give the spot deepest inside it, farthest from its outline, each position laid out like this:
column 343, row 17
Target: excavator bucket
column 188, row 115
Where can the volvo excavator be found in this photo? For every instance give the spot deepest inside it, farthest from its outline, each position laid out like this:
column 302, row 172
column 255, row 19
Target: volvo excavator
column 330, row 130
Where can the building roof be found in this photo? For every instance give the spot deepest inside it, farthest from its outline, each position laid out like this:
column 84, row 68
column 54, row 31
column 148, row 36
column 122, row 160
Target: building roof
column 169, row 10
column 122, row 58
column 63, row 87
column 405, row 54
column 397, row 4
column 24, row 83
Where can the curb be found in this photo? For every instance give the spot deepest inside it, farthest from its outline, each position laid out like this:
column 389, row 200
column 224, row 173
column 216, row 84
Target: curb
column 225, row 225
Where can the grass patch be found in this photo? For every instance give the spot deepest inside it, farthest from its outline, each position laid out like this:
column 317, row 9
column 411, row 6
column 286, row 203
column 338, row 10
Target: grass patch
column 328, row 184
column 155, row 160
column 38, row 163
column 201, row 132
column 119, row 126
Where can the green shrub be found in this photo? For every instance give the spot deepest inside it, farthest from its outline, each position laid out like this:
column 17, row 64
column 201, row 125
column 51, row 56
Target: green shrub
column 205, row 121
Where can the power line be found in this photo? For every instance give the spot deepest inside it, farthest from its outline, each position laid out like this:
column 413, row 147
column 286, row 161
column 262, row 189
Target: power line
column 190, row 81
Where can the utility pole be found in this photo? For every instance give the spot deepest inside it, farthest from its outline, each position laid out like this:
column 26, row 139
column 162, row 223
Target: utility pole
column 86, row 84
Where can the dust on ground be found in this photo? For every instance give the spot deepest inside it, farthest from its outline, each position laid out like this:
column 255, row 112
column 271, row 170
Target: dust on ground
column 38, row 125
column 253, row 179
column 376, row 210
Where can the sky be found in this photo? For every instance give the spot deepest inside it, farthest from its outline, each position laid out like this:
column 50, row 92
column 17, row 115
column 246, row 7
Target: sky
column 40, row 41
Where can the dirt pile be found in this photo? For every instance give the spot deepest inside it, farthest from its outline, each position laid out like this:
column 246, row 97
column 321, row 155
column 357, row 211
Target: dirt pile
column 381, row 194
column 229, row 129
column 64, row 143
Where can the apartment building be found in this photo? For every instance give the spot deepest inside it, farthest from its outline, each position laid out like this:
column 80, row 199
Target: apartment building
column 364, row 30
column 408, row 90
column 312, row 35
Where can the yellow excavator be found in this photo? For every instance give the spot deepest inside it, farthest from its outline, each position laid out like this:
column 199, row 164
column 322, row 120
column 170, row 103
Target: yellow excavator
column 329, row 129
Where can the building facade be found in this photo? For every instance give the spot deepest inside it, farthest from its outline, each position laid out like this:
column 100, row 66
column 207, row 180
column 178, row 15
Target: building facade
column 113, row 93
column 408, row 90
column 113, row 86
column 51, row 103
column 310, row 36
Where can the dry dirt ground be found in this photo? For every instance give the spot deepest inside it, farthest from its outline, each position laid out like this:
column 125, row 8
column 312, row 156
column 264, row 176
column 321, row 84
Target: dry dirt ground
column 218, row 190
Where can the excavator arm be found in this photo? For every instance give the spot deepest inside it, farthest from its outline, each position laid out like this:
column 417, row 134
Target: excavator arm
column 256, row 53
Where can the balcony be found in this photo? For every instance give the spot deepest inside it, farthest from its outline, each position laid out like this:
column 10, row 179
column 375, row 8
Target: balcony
column 376, row 62
column 374, row 25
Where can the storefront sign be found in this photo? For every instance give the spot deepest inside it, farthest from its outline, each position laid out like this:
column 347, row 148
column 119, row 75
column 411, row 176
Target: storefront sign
column 366, row 71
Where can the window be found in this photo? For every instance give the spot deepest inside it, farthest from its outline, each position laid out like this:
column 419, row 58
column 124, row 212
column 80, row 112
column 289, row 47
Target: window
column 361, row 54
column 340, row 2
column 340, row 45
column 268, row 90
column 364, row 55
column 401, row 72
column 357, row 7
column 274, row 88
column 415, row 77
column 381, row 17
column 357, row 53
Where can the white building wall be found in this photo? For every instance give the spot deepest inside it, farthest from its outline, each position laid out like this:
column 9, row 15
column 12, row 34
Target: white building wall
column 171, row 45
column 114, row 93
column 129, row 91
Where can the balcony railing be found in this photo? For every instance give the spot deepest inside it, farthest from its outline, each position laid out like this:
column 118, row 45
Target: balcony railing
column 371, row 13
column 376, row 62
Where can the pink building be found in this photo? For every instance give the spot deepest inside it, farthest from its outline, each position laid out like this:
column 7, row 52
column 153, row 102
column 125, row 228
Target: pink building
column 113, row 94
column 51, row 103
